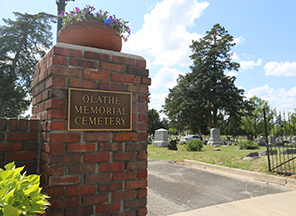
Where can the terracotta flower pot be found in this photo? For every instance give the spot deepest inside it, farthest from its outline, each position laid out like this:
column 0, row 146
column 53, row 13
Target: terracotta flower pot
column 90, row 33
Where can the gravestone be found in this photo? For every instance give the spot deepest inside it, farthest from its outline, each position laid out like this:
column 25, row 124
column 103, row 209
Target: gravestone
column 262, row 141
column 294, row 140
column 288, row 151
column 161, row 138
column 271, row 152
column 252, row 154
column 215, row 137
column 250, row 137
column 272, row 140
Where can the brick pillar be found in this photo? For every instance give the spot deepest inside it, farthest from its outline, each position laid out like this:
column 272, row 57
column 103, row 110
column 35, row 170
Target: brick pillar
column 91, row 172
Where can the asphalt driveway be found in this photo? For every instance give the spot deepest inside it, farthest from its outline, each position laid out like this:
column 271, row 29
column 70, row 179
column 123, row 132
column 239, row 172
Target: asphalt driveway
column 174, row 188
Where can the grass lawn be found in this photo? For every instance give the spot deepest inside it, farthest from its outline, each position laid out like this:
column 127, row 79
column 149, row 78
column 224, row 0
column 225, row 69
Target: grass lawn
column 227, row 156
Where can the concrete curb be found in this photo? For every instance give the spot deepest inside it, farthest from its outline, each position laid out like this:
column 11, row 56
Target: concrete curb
column 284, row 181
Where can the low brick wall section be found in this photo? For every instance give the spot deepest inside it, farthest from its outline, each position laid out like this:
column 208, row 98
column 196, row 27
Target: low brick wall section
column 19, row 142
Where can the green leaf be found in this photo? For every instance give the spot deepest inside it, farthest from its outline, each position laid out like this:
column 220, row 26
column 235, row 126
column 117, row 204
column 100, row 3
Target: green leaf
column 37, row 206
column 21, row 192
column 10, row 166
column 11, row 211
column 33, row 179
column 17, row 171
column 31, row 188
column 9, row 198
column 3, row 191
column 6, row 174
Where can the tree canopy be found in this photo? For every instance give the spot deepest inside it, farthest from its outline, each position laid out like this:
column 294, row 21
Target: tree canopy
column 23, row 43
column 154, row 121
column 254, row 123
column 200, row 96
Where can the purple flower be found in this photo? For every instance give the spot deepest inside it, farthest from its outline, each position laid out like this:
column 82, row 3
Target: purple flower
column 108, row 21
column 89, row 13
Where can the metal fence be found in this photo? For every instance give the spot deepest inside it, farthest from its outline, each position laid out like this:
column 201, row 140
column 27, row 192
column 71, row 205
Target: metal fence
column 281, row 159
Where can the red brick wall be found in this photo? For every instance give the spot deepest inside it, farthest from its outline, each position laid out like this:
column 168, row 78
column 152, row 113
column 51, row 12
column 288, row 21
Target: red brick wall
column 19, row 142
column 91, row 173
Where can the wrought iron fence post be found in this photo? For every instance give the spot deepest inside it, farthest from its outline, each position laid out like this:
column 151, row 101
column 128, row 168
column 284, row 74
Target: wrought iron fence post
column 266, row 137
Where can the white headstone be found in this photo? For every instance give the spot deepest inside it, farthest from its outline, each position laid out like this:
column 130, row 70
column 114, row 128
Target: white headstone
column 272, row 139
column 294, row 140
column 161, row 138
column 215, row 137
column 262, row 141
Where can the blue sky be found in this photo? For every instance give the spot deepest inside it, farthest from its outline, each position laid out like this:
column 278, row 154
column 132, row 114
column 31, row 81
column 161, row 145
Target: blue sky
column 162, row 31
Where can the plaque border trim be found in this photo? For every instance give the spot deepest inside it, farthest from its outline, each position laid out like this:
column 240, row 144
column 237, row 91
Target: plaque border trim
column 95, row 90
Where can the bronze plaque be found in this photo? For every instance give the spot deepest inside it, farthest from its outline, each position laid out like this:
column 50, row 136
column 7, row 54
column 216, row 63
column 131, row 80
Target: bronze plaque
column 96, row 110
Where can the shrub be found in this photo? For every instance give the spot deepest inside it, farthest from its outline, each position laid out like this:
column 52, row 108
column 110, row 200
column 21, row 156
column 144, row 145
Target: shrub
column 194, row 145
column 248, row 144
column 19, row 193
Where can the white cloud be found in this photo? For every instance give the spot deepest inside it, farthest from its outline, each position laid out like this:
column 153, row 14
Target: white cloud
column 235, row 57
column 166, row 77
column 259, row 90
column 246, row 65
column 158, row 98
column 280, row 99
column 164, row 36
column 156, row 102
column 240, row 87
column 280, row 69
column 231, row 74
column 158, row 107
column 239, row 40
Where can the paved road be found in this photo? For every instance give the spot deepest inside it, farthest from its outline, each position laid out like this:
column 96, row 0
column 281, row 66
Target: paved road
column 175, row 188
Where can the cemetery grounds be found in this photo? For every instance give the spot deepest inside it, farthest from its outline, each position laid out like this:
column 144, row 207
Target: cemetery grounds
column 228, row 156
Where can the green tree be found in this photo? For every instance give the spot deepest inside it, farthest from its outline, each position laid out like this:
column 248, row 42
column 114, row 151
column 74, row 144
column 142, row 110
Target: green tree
column 292, row 122
column 23, row 43
column 200, row 96
column 182, row 107
column 254, row 123
column 164, row 123
column 154, row 122
column 61, row 4
column 211, row 58
column 279, row 125
column 173, row 131
column 231, row 126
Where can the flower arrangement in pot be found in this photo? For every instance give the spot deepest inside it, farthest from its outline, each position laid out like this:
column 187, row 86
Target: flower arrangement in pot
column 88, row 27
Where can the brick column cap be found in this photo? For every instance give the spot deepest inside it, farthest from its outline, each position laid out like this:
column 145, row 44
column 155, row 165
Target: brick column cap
column 97, row 50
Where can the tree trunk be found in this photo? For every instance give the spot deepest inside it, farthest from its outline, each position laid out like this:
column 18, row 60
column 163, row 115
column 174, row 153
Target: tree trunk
column 210, row 119
column 2, row 110
column 215, row 123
